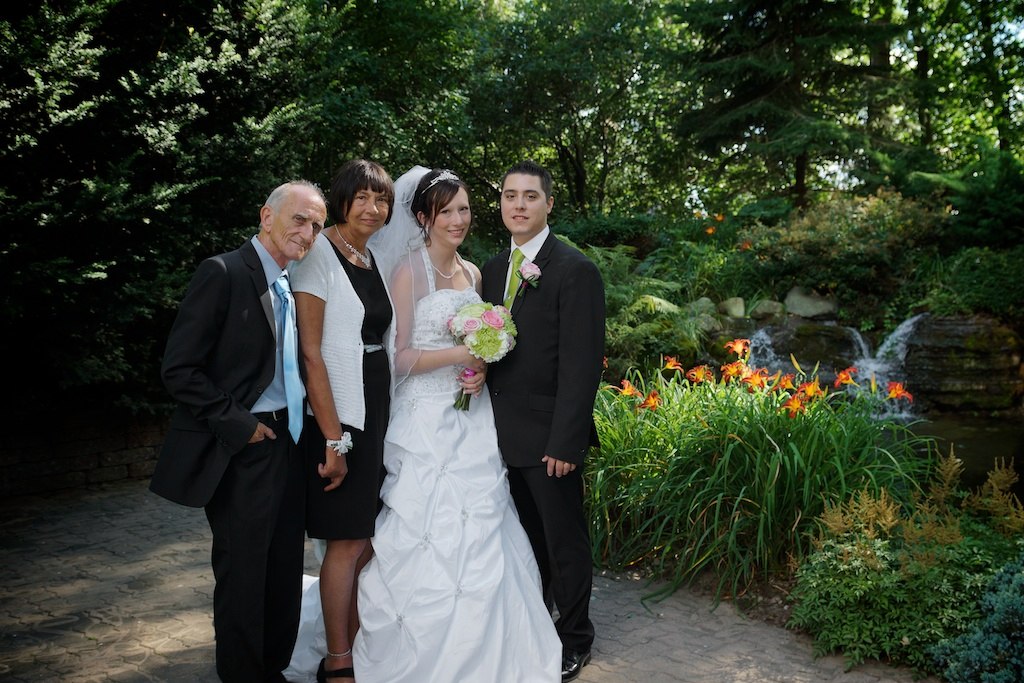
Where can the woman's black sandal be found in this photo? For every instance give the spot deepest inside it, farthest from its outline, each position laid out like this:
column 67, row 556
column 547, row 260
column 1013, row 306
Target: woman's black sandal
column 323, row 674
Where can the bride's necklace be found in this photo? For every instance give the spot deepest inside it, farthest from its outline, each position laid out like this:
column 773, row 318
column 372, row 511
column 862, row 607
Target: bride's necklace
column 446, row 276
column 364, row 258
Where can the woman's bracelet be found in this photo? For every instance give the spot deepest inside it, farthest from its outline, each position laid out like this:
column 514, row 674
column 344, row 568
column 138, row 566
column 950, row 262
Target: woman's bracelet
column 341, row 446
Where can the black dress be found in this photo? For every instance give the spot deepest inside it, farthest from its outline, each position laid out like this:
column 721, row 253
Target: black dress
column 349, row 511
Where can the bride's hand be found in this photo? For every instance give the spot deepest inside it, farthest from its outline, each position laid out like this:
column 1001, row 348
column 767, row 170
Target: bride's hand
column 468, row 360
column 473, row 384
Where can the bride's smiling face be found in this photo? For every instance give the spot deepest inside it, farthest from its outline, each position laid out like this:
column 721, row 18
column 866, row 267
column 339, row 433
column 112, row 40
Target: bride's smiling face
column 450, row 224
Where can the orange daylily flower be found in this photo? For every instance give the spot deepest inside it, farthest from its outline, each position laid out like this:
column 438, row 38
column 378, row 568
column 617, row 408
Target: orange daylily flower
column 719, row 217
column 756, row 379
column 784, row 382
column 741, row 347
column 672, row 364
column 651, row 402
column 897, row 391
column 735, row 370
column 710, row 230
column 811, row 390
column 794, row 405
column 846, row 377
column 628, row 389
column 700, row 373
column 746, row 245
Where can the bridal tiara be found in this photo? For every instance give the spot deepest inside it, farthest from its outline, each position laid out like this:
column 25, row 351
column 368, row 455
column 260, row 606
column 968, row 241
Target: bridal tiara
column 443, row 175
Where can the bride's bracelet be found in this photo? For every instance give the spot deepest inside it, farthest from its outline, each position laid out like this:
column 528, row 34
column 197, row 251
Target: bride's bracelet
column 341, row 446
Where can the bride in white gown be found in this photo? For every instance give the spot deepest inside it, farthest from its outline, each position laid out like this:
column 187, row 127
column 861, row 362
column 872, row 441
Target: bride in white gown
column 453, row 592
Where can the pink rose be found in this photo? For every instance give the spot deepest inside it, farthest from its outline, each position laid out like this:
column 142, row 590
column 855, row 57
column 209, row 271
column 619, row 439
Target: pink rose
column 471, row 325
column 530, row 273
column 493, row 318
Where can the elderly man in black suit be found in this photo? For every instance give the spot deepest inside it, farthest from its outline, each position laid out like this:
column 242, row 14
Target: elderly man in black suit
column 543, row 396
column 231, row 364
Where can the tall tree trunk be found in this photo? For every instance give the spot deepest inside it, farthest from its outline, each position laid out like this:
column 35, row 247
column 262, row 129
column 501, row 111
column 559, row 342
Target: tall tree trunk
column 800, row 181
column 881, row 12
column 575, row 175
column 998, row 89
column 920, row 24
column 924, row 104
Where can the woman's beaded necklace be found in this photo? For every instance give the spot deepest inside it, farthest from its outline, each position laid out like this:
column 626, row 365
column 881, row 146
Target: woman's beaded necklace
column 363, row 258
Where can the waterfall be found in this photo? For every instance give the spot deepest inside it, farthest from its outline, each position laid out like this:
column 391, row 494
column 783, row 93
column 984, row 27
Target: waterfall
column 895, row 345
column 887, row 362
column 885, row 365
column 762, row 353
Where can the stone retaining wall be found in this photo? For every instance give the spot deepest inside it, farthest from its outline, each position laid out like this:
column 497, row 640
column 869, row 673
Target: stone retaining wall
column 78, row 451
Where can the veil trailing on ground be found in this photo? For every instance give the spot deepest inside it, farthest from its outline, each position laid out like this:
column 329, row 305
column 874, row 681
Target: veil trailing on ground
column 398, row 251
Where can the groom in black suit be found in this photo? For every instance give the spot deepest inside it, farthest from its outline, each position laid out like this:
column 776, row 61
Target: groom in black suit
column 543, row 396
column 230, row 447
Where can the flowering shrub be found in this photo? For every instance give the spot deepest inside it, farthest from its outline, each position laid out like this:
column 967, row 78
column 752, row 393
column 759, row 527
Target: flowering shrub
column 727, row 474
column 892, row 581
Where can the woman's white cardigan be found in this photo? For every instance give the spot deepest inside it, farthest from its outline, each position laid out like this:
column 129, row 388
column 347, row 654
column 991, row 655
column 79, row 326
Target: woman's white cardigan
column 321, row 275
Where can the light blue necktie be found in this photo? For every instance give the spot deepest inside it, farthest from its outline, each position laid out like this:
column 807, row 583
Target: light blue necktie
column 290, row 360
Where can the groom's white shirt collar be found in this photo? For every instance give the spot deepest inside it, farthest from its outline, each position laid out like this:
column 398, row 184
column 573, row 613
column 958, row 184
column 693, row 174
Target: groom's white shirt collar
column 531, row 248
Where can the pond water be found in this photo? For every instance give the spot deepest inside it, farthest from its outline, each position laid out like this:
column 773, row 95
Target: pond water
column 979, row 442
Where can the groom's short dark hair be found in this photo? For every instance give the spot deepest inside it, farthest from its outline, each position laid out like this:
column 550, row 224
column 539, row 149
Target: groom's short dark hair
column 530, row 167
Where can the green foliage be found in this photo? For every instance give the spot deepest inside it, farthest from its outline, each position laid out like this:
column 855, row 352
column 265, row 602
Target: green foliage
column 989, row 202
column 864, row 250
column 143, row 139
column 716, row 476
column 864, row 598
column 768, row 80
column 399, row 95
column 611, row 230
column 579, row 103
column 992, row 649
column 890, row 579
column 642, row 320
column 706, row 257
column 979, row 280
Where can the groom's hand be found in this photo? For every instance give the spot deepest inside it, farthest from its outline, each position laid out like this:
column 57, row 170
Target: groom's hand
column 556, row 467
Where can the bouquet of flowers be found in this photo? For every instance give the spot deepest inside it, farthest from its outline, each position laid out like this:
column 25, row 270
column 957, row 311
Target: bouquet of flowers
column 489, row 333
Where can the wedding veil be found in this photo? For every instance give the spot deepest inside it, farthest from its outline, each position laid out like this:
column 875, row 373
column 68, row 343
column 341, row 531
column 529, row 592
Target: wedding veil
column 397, row 251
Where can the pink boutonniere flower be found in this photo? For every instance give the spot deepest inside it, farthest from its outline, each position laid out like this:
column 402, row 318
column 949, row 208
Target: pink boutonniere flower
column 530, row 273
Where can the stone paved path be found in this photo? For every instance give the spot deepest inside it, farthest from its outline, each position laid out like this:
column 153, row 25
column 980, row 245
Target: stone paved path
column 113, row 583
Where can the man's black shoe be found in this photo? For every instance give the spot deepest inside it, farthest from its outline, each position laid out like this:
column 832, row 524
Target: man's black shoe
column 573, row 663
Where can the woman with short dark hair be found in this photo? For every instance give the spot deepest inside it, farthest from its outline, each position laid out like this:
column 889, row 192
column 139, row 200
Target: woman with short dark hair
column 344, row 317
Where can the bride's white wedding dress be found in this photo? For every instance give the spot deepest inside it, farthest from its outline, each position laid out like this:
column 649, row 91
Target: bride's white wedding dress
column 452, row 593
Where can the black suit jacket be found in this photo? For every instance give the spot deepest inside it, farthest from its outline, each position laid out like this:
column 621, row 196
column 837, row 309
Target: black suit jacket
column 219, row 359
column 543, row 390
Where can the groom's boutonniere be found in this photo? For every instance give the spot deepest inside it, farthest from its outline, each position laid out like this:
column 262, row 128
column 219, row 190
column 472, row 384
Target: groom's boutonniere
column 530, row 273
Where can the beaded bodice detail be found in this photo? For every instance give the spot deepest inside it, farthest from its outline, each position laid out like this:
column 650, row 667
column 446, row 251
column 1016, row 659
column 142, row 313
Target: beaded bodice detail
column 430, row 331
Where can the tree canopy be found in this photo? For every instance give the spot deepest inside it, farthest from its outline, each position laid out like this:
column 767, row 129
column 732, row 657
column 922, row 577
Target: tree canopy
column 139, row 137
